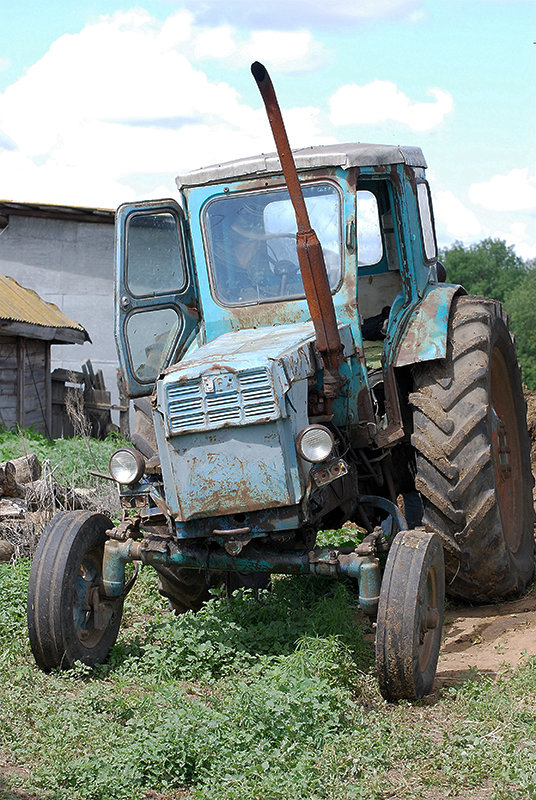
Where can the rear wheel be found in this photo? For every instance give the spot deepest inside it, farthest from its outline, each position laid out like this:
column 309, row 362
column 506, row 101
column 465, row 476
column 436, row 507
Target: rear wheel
column 410, row 616
column 69, row 618
column 473, row 455
column 144, row 438
column 186, row 589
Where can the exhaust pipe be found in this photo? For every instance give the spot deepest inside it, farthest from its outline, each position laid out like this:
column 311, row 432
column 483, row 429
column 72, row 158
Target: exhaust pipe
column 310, row 255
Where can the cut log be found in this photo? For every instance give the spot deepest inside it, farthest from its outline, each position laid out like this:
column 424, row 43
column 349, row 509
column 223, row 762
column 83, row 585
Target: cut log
column 7, row 550
column 27, row 468
column 9, row 486
column 14, row 508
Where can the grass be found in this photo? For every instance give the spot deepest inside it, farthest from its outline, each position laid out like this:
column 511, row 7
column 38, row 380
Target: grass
column 273, row 699
column 70, row 459
column 264, row 700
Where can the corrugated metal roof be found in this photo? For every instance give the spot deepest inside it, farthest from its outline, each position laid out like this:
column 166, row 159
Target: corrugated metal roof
column 18, row 304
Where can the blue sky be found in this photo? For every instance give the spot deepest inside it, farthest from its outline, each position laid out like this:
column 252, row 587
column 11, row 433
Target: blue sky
column 102, row 102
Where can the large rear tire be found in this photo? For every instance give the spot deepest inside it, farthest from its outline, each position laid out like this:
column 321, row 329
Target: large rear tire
column 144, row 438
column 69, row 618
column 473, row 455
column 186, row 589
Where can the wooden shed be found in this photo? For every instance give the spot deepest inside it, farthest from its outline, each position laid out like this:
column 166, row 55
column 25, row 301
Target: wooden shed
column 28, row 327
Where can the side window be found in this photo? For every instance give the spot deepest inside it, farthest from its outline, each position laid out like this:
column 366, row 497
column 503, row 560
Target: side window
column 150, row 335
column 369, row 237
column 155, row 263
column 157, row 304
column 427, row 222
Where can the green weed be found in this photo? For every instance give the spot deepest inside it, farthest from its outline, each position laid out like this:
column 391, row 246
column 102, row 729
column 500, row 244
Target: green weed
column 70, row 459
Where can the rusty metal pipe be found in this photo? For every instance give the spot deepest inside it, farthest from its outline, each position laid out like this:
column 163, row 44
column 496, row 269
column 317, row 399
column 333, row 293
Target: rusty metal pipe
column 320, row 561
column 310, row 255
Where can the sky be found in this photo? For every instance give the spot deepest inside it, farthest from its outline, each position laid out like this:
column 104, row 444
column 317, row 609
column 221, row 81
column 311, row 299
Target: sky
column 103, row 102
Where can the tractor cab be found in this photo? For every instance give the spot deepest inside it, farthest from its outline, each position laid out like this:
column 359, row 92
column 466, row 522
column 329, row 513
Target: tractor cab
column 224, row 257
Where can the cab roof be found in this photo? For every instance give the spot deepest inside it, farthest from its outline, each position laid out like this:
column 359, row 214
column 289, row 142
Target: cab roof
column 306, row 158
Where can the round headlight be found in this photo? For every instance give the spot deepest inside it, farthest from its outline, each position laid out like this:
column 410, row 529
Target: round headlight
column 315, row 443
column 126, row 465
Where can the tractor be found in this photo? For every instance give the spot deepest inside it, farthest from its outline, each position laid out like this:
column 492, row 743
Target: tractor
column 300, row 363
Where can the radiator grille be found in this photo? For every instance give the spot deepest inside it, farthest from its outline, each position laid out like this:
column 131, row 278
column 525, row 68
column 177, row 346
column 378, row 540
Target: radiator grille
column 190, row 406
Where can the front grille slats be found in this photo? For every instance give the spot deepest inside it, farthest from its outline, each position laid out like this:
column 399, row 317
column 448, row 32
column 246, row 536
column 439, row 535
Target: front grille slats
column 189, row 406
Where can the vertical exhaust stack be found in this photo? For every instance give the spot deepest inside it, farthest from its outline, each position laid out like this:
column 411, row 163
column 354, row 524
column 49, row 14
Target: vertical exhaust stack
column 310, row 255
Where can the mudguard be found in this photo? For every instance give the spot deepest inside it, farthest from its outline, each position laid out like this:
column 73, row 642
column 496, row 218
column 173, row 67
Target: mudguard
column 423, row 333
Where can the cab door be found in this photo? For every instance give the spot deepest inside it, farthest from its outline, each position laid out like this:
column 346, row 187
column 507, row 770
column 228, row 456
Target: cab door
column 156, row 295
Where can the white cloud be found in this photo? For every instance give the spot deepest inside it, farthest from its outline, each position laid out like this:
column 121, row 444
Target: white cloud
column 291, row 14
column 285, row 51
column 382, row 101
column 515, row 191
column 454, row 220
column 521, row 235
column 122, row 100
column 291, row 50
column 215, row 43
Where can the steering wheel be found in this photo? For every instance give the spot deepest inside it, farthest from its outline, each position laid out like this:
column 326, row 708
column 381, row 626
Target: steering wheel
column 283, row 268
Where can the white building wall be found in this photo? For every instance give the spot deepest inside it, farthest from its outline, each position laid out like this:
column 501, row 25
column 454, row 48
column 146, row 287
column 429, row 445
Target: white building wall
column 70, row 264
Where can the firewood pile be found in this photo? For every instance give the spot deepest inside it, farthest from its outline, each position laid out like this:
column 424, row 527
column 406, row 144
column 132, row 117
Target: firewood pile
column 29, row 498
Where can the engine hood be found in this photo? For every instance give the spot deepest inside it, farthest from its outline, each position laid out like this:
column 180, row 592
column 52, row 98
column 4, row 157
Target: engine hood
column 239, row 378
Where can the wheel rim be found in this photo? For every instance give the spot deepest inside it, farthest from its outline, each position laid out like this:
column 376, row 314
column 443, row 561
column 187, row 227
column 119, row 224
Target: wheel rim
column 505, row 450
column 429, row 617
column 88, row 622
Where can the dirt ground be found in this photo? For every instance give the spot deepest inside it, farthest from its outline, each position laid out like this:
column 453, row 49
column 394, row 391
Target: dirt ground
column 490, row 637
column 487, row 638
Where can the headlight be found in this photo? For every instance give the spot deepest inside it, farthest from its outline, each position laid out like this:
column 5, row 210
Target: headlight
column 126, row 465
column 315, row 443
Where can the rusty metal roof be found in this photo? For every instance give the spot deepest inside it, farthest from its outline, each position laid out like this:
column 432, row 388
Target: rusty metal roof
column 340, row 155
column 20, row 305
column 48, row 211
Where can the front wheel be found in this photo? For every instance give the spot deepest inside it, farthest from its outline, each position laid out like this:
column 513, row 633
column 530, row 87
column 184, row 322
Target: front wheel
column 69, row 618
column 410, row 616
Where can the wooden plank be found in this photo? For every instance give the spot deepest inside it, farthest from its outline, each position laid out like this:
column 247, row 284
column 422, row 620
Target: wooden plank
column 48, row 392
column 59, row 335
column 20, row 382
column 35, row 377
column 8, row 377
column 34, row 417
column 67, row 375
column 8, row 417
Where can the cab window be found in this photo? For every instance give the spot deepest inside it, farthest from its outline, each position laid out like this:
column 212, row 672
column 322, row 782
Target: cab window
column 251, row 243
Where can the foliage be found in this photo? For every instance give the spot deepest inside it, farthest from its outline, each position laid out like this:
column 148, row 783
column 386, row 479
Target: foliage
column 286, row 707
column 69, row 458
column 521, row 307
column 492, row 269
column 489, row 268
column 227, row 637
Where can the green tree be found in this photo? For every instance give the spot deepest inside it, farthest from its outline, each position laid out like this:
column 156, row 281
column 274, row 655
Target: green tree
column 490, row 268
column 521, row 307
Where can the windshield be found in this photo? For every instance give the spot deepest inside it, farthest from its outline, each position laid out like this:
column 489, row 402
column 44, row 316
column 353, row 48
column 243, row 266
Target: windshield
column 251, row 242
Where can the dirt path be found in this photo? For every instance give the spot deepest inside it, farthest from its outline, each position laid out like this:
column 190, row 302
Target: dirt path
column 490, row 637
column 487, row 637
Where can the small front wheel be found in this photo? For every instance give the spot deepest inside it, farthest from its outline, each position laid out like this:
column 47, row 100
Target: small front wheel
column 410, row 616
column 69, row 617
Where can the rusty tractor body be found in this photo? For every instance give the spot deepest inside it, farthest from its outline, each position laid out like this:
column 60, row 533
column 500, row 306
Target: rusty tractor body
column 307, row 365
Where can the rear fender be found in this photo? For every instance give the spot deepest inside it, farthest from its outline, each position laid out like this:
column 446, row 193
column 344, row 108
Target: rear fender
column 422, row 334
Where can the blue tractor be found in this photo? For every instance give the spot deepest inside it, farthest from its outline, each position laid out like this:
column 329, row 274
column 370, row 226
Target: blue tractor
column 300, row 363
